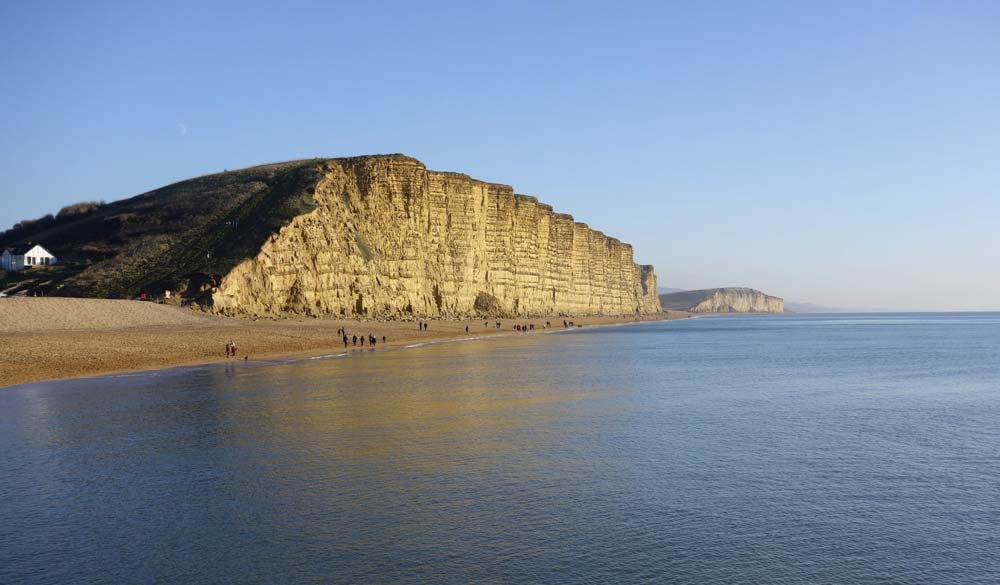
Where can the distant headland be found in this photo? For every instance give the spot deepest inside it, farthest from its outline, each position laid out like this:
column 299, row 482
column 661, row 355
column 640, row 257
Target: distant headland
column 723, row 300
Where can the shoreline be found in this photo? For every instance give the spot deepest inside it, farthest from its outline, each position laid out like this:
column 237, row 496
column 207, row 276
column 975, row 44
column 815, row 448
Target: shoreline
column 63, row 338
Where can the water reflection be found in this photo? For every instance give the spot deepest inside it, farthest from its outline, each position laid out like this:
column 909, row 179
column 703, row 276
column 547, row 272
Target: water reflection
column 712, row 451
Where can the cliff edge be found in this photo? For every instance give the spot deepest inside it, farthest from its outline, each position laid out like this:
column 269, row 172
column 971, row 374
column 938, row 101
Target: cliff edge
column 723, row 300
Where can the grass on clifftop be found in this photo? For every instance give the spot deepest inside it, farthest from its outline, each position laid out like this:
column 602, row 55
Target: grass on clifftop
column 190, row 233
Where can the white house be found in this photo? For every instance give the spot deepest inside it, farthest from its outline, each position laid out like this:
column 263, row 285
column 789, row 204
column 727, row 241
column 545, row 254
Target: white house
column 24, row 256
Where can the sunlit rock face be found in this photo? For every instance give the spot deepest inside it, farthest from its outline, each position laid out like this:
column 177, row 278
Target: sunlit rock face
column 723, row 300
column 391, row 239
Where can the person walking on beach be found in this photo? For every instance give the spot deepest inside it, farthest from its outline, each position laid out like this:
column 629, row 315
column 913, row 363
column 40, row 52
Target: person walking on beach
column 362, row 341
column 466, row 329
column 345, row 340
column 354, row 340
column 229, row 349
column 383, row 339
column 232, row 347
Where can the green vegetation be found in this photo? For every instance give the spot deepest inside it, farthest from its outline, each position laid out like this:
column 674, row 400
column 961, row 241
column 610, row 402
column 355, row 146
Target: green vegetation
column 81, row 208
column 182, row 237
column 40, row 279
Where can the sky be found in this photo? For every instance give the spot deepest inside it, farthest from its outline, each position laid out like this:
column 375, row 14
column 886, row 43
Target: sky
column 834, row 152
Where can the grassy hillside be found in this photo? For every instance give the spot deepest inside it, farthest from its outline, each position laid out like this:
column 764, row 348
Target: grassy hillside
column 183, row 236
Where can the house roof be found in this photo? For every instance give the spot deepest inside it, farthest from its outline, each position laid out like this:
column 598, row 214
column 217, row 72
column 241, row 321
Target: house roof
column 22, row 249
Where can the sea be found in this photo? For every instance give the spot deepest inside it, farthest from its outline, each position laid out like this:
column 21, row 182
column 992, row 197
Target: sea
column 785, row 449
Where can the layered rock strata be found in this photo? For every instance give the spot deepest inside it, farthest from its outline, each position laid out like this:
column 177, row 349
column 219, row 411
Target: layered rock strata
column 723, row 300
column 390, row 239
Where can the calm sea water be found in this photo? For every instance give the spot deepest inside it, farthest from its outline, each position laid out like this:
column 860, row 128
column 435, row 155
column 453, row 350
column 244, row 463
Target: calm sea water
column 784, row 449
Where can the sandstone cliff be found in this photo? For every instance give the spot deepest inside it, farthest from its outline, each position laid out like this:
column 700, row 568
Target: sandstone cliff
column 373, row 236
column 723, row 300
column 389, row 238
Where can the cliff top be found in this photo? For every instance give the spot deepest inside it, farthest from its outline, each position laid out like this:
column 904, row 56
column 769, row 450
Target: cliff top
column 726, row 290
column 686, row 300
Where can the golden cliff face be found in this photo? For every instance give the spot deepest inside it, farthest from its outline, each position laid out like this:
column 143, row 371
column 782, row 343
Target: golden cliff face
column 390, row 239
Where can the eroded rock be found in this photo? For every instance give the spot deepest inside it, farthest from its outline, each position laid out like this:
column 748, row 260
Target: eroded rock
column 390, row 239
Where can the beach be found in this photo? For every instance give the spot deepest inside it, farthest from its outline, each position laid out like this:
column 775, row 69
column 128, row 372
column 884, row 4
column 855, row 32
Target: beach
column 50, row 338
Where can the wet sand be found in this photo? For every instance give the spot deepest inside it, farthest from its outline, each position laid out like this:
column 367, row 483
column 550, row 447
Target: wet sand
column 52, row 338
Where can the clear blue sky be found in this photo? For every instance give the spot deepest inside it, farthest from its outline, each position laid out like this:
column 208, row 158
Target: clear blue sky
column 843, row 153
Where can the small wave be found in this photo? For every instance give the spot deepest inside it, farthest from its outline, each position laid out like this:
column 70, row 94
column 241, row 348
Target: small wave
column 443, row 341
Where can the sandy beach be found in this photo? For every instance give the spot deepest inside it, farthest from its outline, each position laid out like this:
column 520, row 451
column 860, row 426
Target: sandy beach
column 52, row 338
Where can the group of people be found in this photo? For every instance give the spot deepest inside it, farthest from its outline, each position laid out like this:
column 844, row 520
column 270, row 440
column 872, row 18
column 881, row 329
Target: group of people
column 354, row 339
column 546, row 325
column 422, row 326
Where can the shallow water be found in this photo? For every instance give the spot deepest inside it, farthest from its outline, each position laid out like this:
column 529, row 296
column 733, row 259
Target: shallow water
column 775, row 449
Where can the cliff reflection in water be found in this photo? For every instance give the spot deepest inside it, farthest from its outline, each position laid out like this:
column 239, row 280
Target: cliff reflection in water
column 400, row 408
